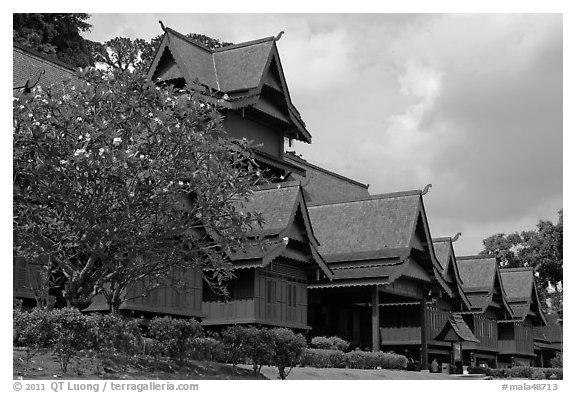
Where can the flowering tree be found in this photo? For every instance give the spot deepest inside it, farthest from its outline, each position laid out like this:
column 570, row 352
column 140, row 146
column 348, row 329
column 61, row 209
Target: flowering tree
column 118, row 181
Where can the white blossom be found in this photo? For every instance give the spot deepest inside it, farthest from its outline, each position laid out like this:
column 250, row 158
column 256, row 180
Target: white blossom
column 116, row 141
column 101, row 151
column 63, row 162
column 79, row 151
column 78, row 118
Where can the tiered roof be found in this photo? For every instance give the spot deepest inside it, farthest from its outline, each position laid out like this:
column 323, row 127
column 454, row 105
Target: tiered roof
column 480, row 278
column 285, row 220
column 447, row 259
column 520, row 293
column 236, row 75
column 371, row 240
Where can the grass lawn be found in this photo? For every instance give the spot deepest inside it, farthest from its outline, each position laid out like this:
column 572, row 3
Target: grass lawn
column 311, row 373
column 88, row 365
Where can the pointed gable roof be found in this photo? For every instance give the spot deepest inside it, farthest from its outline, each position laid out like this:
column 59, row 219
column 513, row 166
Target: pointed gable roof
column 379, row 226
column 282, row 206
column 519, row 290
column 370, row 240
column 456, row 330
column 235, row 75
column 481, row 281
column 444, row 251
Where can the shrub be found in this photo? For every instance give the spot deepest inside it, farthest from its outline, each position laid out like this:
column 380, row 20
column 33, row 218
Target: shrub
column 334, row 343
column 323, row 358
column 69, row 334
column 173, row 337
column 110, row 333
column 235, row 340
column 207, row 348
column 32, row 330
column 557, row 372
column 259, row 347
column 538, row 374
column 556, row 361
column 373, row 360
column 519, row 372
column 287, row 349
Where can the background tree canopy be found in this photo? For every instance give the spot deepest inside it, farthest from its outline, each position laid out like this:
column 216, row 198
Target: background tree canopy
column 59, row 36
column 56, row 35
column 541, row 249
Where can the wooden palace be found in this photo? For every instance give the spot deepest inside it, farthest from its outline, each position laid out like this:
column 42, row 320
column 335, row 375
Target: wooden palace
column 336, row 260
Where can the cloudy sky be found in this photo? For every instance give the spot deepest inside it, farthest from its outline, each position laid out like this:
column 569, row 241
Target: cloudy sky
column 471, row 103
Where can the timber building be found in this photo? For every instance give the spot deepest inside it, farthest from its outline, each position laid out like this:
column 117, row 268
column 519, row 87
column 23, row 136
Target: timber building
column 335, row 260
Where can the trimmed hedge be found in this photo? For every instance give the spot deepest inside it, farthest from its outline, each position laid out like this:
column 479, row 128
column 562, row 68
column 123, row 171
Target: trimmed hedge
column 519, row 372
column 324, row 358
column 335, row 343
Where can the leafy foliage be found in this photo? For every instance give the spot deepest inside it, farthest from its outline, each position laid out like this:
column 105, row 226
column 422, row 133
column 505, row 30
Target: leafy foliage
column 56, row 35
column 207, row 348
column 235, row 340
column 118, row 180
column 69, row 334
column 259, row 347
column 33, row 331
column 174, row 337
column 113, row 334
column 287, row 349
column 541, row 249
column 335, row 343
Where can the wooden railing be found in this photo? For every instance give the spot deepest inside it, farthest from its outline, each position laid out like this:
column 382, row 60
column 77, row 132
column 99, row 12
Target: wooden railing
column 229, row 312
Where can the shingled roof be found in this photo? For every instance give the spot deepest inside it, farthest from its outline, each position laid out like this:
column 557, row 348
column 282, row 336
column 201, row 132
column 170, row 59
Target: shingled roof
column 551, row 333
column 447, row 259
column 321, row 185
column 456, row 330
column 479, row 275
column 520, row 292
column 30, row 68
column 281, row 206
column 235, row 75
column 370, row 240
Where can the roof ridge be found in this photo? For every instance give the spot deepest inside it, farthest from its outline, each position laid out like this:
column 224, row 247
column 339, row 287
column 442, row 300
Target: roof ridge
column 301, row 160
column 189, row 40
column 368, row 198
column 516, row 269
column 468, row 257
column 272, row 186
column 242, row 44
column 442, row 239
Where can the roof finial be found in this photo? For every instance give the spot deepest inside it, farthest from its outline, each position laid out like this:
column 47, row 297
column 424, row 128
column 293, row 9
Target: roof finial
column 279, row 36
column 456, row 236
column 162, row 25
column 425, row 190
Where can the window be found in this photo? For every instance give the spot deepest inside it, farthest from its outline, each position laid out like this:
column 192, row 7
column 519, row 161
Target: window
column 291, row 295
column 271, row 291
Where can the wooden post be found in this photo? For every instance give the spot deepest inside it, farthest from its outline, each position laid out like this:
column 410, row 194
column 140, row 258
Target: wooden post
column 375, row 320
column 356, row 326
column 423, row 336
